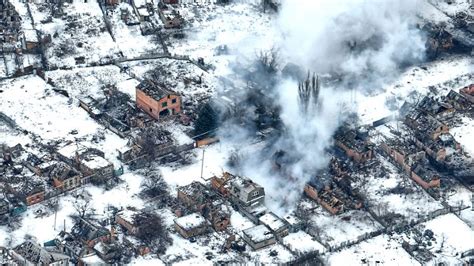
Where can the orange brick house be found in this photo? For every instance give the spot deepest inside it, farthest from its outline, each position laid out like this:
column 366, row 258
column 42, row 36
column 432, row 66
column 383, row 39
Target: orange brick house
column 157, row 101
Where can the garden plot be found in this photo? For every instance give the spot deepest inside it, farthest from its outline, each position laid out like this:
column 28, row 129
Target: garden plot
column 335, row 230
column 393, row 196
column 79, row 37
column 378, row 250
column 129, row 38
column 90, row 81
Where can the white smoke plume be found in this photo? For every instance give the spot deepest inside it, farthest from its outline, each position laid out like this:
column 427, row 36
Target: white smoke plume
column 362, row 43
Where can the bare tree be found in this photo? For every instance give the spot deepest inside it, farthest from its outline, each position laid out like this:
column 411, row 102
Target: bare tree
column 154, row 186
column 308, row 92
column 269, row 60
column 83, row 208
column 152, row 231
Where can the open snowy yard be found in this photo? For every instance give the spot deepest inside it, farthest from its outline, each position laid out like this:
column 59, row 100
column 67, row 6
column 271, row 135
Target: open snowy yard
column 380, row 250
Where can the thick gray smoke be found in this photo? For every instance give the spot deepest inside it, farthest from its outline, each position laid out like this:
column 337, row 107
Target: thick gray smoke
column 362, row 43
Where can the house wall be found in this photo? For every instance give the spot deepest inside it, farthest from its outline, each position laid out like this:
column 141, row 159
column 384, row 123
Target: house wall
column 435, row 182
column 313, row 194
column 130, row 228
column 218, row 184
column 220, row 224
column 190, row 202
column 355, row 155
column 153, row 107
column 67, row 184
column 99, row 174
column 206, row 141
column 440, row 130
column 35, row 198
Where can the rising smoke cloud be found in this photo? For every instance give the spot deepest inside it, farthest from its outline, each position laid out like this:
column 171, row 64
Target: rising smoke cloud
column 363, row 43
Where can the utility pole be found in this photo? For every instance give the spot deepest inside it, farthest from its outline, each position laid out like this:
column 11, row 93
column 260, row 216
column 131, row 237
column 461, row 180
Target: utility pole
column 202, row 163
column 55, row 216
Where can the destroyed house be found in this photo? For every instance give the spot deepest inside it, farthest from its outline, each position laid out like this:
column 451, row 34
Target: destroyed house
column 126, row 218
column 191, row 225
column 435, row 108
column 425, row 175
column 10, row 23
column 170, row 17
column 424, row 126
column 29, row 40
column 331, row 197
column 90, row 233
column 6, row 257
column 412, row 160
column 4, row 207
column 441, row 148
column 134, row 220
column 220, row 184
column 89, row 161
column 195, row 196
column 458, row 101
column 157, row 101
column 258, row 237
column 468, row 92
column 72, row 247
column 64, row 177
column 276, row 224
column 29, row 253
column 199, row 198
column 40, row 166
column 18, row 179
column 354, row 143
column 116, row 111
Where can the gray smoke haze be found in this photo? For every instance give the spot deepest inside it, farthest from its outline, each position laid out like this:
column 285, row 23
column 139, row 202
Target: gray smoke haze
column 363, row 43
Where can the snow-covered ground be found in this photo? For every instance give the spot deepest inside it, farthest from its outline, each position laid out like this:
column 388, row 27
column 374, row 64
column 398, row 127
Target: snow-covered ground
column 50, row 116
column 464, row 134
column 81, row 82
column 335, row 230
column 380, row 250
column 37, row 108
column 81, row 32
column 123, row 34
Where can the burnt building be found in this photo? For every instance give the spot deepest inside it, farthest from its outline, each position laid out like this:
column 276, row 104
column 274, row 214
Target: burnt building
column 19, row 180
column 30, row 253
column 64, row 177
column 354, row 143
column 115, row 111
column 157, row 101
column 412, row 160
column 89, row 161
column 425, row 126
column 198, row 198
column 330, row 196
